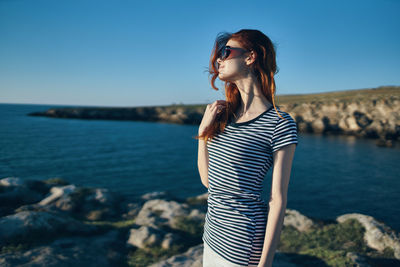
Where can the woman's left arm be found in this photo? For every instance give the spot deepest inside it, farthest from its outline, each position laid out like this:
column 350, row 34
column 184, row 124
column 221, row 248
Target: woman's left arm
column 283, row 159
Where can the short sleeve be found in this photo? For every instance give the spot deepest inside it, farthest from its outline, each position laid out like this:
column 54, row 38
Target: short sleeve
column 285, row 132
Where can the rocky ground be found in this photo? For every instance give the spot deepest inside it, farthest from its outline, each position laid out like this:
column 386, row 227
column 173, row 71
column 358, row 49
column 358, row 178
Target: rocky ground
column 366, row 113
column 53, row 223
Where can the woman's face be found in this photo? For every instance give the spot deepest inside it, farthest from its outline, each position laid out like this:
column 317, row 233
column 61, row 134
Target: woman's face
column 232, row 69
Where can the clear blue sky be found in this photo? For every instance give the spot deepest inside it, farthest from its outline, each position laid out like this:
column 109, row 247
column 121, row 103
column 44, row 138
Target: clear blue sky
column 141, row 53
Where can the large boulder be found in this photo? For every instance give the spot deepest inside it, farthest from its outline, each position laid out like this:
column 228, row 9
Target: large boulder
column 30, row 225
column 297, row 220
column 377, row 235
column 147, row 237
column 15, row 192
column 100, row 251
column 158, row 212
column 89, row 203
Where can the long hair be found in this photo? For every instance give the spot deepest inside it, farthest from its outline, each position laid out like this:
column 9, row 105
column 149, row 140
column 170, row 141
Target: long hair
column 264, row 69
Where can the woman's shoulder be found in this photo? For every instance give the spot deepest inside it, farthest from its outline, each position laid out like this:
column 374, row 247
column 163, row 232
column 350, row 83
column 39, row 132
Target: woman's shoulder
column 280, row 114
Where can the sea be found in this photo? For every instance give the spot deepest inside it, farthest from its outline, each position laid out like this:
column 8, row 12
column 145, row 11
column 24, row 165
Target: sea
column 331, row 175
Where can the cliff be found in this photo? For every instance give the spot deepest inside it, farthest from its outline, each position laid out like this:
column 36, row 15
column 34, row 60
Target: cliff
column 371, row 113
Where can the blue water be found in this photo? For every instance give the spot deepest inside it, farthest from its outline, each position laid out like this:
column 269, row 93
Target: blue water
column 331, row 175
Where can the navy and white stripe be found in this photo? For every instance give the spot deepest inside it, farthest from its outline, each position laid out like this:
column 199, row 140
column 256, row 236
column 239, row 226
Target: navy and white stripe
column 239, row 159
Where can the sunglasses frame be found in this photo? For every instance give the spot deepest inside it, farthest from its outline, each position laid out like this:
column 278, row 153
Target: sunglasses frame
column 228, row 52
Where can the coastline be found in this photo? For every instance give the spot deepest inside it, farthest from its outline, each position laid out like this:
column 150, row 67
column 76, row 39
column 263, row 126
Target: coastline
column 365, row 113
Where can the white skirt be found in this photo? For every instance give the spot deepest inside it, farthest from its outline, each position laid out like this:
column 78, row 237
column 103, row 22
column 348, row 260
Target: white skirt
column 212, row 259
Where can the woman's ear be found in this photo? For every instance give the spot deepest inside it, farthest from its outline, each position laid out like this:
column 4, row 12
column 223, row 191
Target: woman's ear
column 251, row 58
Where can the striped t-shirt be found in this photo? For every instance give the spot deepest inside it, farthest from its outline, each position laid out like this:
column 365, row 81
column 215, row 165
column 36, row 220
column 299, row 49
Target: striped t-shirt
column 239, row 159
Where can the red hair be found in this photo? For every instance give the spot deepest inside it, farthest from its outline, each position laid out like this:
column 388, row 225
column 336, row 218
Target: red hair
column 264, row 69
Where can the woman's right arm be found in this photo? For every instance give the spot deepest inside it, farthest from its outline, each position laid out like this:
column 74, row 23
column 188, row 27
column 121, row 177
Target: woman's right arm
column 208, row 119
column 202, row 162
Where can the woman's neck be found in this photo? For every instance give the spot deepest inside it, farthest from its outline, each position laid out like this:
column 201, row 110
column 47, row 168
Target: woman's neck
column 252, row 100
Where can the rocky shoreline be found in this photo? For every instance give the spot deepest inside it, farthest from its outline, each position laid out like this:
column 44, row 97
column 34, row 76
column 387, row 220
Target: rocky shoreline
column 366, row 113
column 53, row 223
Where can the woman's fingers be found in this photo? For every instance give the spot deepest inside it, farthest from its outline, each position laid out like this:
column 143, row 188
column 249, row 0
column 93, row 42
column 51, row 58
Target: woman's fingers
column 211, row 112
column 216, row 106
column 219, row 105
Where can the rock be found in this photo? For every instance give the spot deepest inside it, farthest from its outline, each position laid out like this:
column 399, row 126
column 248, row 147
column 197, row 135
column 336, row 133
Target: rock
column 377, row 235
column 132, row 210
column 362, row 119
column 97, row 251
column 318, row 125
column 168, row 241
column 198, row 200
column 28, row 225
column 56, row 193
column 358, row 259
column 202, row 196
column 149, row 218
column 384, row 143
column 161, row 212
column 297, row 220
column 191, row 258
column 196, row 214
column 146, row 237
column 90, row 203
column 11, row 181
column 350, row 124
column 101, row 195
column 155, row 195
column 103, row 203
column 15, row 192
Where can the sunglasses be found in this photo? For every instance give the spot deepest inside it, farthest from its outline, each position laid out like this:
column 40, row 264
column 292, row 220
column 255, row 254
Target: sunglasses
column 230, row 52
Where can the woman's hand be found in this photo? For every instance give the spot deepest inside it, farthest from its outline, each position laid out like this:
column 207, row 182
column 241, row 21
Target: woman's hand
column 211, row 112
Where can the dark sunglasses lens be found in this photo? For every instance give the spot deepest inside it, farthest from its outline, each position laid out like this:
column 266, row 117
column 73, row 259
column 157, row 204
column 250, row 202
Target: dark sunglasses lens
column 225, row 53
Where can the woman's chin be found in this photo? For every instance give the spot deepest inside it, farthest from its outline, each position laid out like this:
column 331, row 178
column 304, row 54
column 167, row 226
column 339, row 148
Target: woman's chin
column 222, row 77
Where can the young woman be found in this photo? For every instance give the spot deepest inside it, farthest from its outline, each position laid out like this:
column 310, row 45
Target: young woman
column 240, row 138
